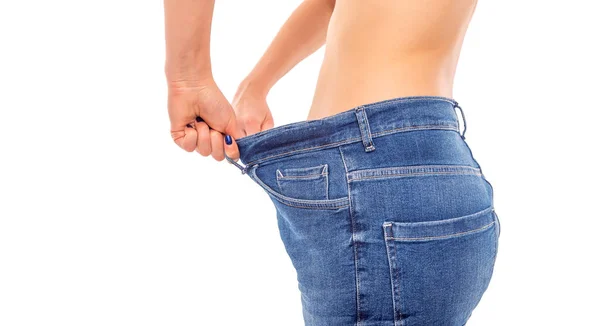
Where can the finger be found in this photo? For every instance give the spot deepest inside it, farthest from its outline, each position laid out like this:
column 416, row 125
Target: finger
column 231, row 149
column 186, row 139
column 203, row 141
column 216, row 142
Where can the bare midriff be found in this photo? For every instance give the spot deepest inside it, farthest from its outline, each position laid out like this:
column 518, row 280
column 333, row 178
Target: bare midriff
column 378, row 50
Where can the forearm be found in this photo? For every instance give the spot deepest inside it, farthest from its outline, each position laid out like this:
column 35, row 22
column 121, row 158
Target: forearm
column 187, row 38
column 302, row 34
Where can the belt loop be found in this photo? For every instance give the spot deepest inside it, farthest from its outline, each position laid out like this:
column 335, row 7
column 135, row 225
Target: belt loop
column 365, row 130
column 463, row 118
column 244, row 169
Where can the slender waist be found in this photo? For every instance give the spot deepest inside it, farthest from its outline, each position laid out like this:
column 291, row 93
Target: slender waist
column 359, row 124
column 346, row 83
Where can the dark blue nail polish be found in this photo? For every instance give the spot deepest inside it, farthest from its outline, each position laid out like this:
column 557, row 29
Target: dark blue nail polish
column 198, row 119
column 228, row 139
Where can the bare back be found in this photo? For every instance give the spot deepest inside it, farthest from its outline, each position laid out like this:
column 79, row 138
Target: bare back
column 377, row 50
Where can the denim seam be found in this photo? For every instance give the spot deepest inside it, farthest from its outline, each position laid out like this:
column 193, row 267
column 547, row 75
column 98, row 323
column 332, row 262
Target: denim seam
column 342, row 142
column 326, row 173
column 446, row 221
column 366, row 106
column 447, row 236
column 395, row 282
column 303, row 203
column 442, row 167
column 303, row 170
column 308, row 176
column 351, row 215
column 413, row 175
column 410, row 99
column 363, row 126
column 359, row 119
column 356, row 139
column 421, row 127
column 371, row 146
column 420, row 171
column 310, row 207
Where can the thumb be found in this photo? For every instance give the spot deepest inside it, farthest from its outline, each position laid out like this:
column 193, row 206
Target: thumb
column 231, row 148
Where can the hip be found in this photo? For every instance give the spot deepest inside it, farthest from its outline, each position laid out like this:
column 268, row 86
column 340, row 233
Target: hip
column 410, row 146
column 379, row 207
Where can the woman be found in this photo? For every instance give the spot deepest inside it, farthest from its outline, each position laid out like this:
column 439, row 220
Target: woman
column 381, row 206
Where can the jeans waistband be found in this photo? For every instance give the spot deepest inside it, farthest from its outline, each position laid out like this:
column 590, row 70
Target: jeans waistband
column 363, row 123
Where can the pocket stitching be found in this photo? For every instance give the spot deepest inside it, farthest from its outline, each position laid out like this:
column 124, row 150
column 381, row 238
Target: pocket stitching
column 279, row 176
column 447, row 236
column 335, row 203
column 392, row 259
column 284, row 172
column 394, row 228
column 308, row 176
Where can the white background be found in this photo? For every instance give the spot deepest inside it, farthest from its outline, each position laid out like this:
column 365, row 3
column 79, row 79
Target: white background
column 105, row 221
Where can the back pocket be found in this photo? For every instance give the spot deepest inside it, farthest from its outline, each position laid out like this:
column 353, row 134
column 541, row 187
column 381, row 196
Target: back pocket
column 440, row 269
column 304, row 182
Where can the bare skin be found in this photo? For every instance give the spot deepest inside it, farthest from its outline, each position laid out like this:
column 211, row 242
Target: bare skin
column 375, row 50
column 199, row 113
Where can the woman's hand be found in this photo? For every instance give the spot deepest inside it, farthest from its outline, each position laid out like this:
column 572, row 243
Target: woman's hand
column 191, row 99
column 251, row 109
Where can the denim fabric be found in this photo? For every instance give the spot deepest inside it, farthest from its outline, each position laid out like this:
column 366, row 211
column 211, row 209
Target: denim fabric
column 383, row 211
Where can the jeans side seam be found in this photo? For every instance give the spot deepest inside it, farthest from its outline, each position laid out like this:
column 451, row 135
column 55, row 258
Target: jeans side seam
column 326, row 172
column 390, row 248
column 351, row 215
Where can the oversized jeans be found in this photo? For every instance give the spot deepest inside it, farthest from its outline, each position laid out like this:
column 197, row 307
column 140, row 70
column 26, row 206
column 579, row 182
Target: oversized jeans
column 383, row 211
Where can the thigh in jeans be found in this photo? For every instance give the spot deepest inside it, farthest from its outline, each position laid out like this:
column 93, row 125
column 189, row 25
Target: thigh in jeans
column 436, row 222
column 309, row 191
column 384, row 212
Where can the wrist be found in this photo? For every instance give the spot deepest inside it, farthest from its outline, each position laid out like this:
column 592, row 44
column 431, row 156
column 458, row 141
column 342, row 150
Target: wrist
column 188, row 69
column 188, row 79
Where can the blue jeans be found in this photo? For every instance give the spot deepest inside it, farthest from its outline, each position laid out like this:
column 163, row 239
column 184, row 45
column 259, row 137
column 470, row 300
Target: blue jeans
column 383, row 211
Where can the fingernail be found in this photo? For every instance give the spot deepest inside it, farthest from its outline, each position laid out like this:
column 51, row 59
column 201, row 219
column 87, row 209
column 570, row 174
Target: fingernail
column 198, row 119
column 228, row 140
column 189, row 125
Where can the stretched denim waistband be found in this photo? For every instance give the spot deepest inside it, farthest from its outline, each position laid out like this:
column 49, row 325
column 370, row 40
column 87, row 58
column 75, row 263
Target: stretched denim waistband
column 363, row 124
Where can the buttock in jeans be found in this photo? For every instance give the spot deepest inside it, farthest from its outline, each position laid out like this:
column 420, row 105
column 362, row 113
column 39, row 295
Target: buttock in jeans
column 383, row 210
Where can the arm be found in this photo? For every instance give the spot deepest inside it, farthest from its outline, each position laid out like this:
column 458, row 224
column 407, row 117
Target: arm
column 302, row 34
column 192, row 90
column 187, row 38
